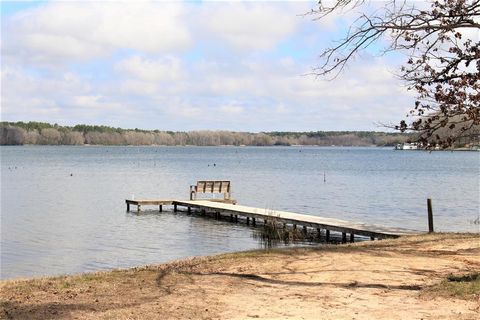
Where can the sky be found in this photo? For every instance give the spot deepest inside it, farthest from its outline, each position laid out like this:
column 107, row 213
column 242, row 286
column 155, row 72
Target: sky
column 196, row 65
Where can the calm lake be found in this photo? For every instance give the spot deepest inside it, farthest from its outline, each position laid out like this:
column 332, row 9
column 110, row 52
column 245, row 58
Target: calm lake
column 63, row 207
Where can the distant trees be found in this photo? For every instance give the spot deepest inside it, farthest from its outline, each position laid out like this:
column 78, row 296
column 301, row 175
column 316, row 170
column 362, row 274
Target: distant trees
column 17, row 133
column 12, row 135
column 441, row 41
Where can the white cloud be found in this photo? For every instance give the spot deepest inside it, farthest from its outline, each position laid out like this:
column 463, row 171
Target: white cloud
column 81, row 31
column 162, row 69
column 96, row 102
column 251, row 25
column 231, row 108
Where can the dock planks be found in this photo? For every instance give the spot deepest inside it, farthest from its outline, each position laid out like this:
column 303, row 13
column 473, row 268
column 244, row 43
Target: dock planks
column 305, row 220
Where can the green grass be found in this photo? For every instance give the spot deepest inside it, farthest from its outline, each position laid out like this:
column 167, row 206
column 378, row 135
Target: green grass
column 465, row 286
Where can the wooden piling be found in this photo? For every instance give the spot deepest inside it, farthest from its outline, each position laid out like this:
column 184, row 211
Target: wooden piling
column 174, row 208
column 430, row 215
column 189, row 209
column 319, row 233
column 352, row 237
column 248, row 221
column 139, row 208
column 327, row 235
column 344, row 237
column 305, row 229
column 160, row 209
column 236, row 218
column 254, row 222
column 128, row 207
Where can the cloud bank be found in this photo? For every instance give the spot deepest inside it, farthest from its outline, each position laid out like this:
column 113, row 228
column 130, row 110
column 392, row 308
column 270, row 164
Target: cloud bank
column 187, row 66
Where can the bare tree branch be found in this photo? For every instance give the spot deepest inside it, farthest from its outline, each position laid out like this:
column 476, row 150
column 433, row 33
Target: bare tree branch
column 443, row 64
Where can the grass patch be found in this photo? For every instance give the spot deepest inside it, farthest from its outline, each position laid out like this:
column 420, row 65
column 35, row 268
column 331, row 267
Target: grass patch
column 465, row 286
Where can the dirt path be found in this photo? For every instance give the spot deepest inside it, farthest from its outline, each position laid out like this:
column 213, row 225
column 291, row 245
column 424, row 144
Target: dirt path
column 371, row 280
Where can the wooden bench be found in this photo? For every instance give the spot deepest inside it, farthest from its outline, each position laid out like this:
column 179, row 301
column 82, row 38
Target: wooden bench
column 212, row 186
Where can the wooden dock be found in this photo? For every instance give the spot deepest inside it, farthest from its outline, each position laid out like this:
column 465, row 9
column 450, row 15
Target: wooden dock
column 254, row 216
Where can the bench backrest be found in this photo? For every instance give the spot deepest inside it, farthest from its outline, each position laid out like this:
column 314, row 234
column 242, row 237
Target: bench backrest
column 213, row 186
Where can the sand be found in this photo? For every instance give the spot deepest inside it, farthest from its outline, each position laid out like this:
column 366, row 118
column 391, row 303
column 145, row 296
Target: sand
column 388, row 279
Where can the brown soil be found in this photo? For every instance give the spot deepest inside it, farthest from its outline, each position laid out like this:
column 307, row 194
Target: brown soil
column 370, row 280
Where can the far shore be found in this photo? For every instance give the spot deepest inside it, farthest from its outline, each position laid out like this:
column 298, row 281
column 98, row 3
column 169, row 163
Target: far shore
column 432, row 276
column 247, row 146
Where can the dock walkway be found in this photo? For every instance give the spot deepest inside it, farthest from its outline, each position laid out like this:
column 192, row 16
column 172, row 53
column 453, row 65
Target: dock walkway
column 254, row 215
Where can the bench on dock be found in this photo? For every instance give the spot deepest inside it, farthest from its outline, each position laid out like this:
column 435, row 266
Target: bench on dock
column 213, row 187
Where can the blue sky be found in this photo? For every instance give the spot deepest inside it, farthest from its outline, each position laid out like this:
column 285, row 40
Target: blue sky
column 188, row 66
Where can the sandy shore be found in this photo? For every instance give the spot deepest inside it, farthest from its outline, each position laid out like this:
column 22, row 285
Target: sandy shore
column 389, row 279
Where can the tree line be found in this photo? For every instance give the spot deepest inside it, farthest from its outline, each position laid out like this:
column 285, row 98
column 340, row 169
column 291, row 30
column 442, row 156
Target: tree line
column 40, row 133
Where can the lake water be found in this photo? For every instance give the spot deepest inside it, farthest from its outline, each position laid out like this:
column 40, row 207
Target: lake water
column 63, row 209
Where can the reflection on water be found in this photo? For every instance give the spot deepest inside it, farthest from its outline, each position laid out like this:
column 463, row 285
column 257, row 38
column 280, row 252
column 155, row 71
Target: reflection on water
column 63, row 210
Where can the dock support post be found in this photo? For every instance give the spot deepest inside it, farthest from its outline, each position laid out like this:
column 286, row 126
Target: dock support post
column 248, row 221
column 344, row 237
column 174, row 208
column 128, row 207
column 372, row 238
column 430, row 215
column 236, row 218
column 305, row 229
column 294, row 227
column 231, row 218
column 327, row 235
column 254, row 222
column 319, row 233
column 352, row 237
column 203, row 212
column 160, row 209
column 139, row 208
column 189, row 210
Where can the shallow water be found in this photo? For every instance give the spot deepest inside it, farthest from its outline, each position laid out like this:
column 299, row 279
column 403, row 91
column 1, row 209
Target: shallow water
column 63, row 210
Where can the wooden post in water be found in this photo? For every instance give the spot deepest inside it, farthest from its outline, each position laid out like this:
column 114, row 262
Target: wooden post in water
column 254, row 222
column 174, row 208
column 139, row 208
column 248, row 221
column 160, row 209
column 327, row 235
column 344, row 237
column 319, row 233
column 430, row 215
column 352, row 237
column 128, row 207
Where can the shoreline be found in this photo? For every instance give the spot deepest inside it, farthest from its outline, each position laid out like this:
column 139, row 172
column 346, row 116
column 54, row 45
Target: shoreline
column 361, row 280
column 240, row 146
